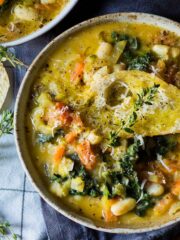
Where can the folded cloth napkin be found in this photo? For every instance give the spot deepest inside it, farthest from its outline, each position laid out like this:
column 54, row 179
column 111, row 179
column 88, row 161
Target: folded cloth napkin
column 59, row 227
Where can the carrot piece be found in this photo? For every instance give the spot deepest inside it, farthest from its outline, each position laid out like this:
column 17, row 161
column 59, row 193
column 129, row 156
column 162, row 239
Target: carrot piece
column 176, row 188
column 86, row 155
column 2, row 2
column 59, row 154
column 78, row 72
column 70, row 137
column 107, row 214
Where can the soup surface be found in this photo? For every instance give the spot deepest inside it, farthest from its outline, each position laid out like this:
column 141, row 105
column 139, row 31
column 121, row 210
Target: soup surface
column 103, row 124
column 22, row 17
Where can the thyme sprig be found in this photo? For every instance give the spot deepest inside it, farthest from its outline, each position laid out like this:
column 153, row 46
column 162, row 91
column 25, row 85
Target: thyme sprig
column 6, row 122
column 7, row 55
column 6, row 231
column 113, row 139
column 145, row 97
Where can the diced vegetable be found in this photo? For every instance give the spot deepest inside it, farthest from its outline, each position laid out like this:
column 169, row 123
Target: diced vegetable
column 65, row 166
column 162, row 51
column 77, row 184
column 59, row 154
column 118, row 50
column 61, row 190
column 104, row 50
column 86, row 155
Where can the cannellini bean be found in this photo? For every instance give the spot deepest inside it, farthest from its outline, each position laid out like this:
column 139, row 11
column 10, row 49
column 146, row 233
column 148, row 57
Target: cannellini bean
column 25, row 13
column 123, row 206
column 104, row 50
column 155, row 189
column 174, row 208
column 48, row 1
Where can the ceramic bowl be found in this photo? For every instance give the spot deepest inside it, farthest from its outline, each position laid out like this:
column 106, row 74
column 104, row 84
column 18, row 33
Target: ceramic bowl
column 20, row 112
column 68, row 7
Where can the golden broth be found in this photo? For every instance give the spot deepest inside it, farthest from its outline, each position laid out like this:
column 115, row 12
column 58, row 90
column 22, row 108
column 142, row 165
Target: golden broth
column 55, row 78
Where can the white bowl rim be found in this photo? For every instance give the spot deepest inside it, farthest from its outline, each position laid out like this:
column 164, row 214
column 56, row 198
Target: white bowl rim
column 112, row 17
column 67, row 8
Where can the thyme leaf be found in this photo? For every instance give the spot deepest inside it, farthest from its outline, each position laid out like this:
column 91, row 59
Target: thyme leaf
column 6, row 123
column 6, row 55
column 146, row 97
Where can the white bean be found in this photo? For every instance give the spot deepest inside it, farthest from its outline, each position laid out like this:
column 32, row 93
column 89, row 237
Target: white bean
column 123, row 206
column 155, row 189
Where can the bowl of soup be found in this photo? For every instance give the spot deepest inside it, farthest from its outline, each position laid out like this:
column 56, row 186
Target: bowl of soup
column 97, row 123
column 22, row 21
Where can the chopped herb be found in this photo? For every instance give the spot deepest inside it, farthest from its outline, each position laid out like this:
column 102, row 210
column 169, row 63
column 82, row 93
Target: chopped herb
column 91, row 188
column 73, row 156
column 6, row 55
column 140, row 62
column 133, row 187
column 145, row 203
column 6, row 123
column 43, row 138
column 113, row 139
column 58, row 178
column 145, row 97
column 133, row 42
column 127, row 164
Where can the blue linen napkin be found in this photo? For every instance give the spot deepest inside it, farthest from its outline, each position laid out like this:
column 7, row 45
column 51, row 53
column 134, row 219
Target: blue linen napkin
column 59, row 227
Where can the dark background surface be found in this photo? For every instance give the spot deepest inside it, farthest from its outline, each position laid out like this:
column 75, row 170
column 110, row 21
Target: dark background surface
column 59, row 227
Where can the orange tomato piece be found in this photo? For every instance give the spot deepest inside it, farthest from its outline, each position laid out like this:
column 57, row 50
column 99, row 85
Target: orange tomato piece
column 59, row 154
column 86, row 155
